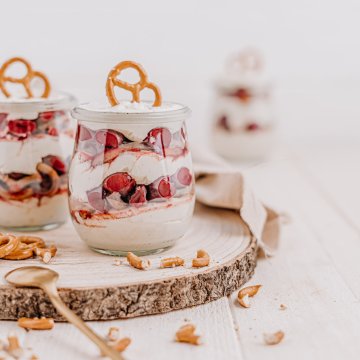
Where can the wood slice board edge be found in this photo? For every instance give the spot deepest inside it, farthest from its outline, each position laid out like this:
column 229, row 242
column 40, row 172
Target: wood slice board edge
column 132, row 300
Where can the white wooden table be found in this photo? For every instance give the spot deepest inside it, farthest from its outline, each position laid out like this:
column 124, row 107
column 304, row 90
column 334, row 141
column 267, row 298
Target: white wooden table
column 316, row 274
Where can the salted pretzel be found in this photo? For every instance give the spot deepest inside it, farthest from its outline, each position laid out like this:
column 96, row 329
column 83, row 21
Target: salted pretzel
column 135, row 89
column 26, row 248
column 21, row 247
column 247, row 60
column 25, row 80
column 31, row 242
column 8, row 243
column 21, row 253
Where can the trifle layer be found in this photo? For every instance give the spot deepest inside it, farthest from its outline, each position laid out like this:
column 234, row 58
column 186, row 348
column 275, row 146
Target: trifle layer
column 31, row 212
column 33, row 169
column 110, row 171
column 243, row 126
column 244, row 145
column 131, row 191
column 157, row 225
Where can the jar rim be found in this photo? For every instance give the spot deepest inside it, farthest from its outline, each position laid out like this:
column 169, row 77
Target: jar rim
column 83, row 113
column 62, row 101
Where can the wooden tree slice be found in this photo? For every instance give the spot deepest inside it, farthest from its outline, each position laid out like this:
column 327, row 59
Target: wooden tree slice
column 96, row 289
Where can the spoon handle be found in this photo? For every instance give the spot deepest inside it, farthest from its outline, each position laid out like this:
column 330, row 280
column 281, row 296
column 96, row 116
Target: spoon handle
column 79, row 323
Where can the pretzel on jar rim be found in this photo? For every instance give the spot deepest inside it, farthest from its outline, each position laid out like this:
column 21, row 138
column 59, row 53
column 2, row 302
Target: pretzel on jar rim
column 135, row 89
column 8, row 243
column 248, row 60
column 25, row 80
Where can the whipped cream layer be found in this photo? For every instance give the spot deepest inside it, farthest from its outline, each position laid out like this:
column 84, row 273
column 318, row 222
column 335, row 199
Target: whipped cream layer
column 23, row 155
column 30, row 212
column 144, row 166
column 155, row 226
column 134, row 131
column 19, row 105
column 253, row 80
column 22, row 115
column 18, row 99
column 128, row 107
column 244, row 145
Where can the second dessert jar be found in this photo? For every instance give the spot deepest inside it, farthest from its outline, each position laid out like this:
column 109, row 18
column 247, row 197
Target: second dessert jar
column 131, row 184
column 36, row 140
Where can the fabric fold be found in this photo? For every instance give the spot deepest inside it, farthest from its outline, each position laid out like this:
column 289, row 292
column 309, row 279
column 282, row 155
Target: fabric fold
column 220, row 185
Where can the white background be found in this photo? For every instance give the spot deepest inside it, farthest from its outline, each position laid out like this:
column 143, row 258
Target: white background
column 312, row 48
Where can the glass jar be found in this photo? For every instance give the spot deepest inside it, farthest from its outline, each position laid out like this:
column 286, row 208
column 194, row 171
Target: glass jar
column 243, row 115
column 36, row 140
column 131, row 183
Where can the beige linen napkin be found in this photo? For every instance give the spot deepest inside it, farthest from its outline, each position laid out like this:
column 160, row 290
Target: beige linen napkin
column 218, row 184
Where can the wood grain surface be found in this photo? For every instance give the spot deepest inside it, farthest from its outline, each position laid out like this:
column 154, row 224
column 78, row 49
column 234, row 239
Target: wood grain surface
column 96, row 289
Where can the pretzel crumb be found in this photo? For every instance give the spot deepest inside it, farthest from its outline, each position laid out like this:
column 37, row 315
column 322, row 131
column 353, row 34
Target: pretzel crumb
column 117, row 262
column 282, row 307
column 36, row 323
column 171, row 262
column 202, row 259
column 187, row 335
column 113, row 333
column 245, row 294
column 122, row 344
column 137, row 262
column 14, row 348
column 274, row 338
column 46, row 254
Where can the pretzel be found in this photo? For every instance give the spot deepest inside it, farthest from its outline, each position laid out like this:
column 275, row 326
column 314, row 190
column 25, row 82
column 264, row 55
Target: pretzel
column 8, row 243
column 25, row 80
column 202, row 259
column 135, row 89
column 32, row 242
column 248, row 60
column 21, row 253
column 26, row 248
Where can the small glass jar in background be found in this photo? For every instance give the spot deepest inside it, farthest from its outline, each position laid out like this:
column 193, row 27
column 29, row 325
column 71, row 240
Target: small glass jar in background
column 243, row 118
column 36, row 141
column 131, row 183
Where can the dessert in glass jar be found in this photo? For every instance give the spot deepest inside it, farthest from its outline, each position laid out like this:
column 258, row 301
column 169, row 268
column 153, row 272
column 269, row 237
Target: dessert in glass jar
column 244, row 121
column 36, row 140
column 131, row 183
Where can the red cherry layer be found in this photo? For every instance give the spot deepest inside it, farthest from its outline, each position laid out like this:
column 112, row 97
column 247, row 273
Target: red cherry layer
column 46, row 123
column 120, row 182
column 21, row 128
column 242, row 94
column 47, row 181
column 159, row 139
column 109, row 138
column 105, row 145
column 251, row 127
column 224, row 123
column 130, row 192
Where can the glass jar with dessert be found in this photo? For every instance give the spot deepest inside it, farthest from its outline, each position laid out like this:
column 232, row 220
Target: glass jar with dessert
column 131, row 183
column 244, row 120
column 36, row 141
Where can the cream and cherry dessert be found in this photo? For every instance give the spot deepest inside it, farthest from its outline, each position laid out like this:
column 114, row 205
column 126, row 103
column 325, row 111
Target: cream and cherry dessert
column 243, row 126
column 131, row 183
column 36, row 140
